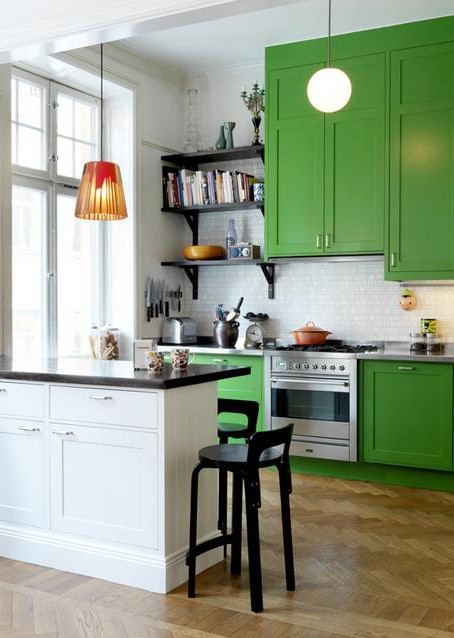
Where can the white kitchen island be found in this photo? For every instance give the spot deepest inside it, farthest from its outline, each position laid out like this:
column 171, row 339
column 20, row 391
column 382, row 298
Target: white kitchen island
column 95, row 465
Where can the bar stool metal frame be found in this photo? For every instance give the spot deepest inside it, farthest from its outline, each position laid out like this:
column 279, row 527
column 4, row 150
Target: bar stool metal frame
column 244, row 461
column 226, row 431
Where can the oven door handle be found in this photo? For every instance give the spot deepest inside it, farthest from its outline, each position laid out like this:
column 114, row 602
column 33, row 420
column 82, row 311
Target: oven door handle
column 322, row 385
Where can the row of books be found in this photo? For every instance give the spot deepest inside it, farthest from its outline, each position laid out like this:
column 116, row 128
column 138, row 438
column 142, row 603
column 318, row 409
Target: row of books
column 205, row 188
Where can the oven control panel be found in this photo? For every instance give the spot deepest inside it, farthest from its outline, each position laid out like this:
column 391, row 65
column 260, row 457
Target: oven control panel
column 310, row 365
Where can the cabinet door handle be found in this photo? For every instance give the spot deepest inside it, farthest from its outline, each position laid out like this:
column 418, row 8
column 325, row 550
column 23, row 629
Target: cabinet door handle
column 100, row 397
column 327, row 240
column 3, row 390
column 405, row 368
column 58, row 433
column 319, row 240
column 393, row 260
column 220, row 361
column 24, row 428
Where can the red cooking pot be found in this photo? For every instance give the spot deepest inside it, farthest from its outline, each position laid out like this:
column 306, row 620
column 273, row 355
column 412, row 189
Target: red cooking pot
column 310, row 335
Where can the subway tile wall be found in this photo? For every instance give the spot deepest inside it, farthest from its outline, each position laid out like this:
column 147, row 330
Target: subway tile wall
column 351, row 299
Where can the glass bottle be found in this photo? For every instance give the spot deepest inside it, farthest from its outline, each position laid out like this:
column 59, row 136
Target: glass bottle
column 231, row 237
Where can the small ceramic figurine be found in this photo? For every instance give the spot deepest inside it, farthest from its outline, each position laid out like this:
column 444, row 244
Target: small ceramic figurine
column 407, row 300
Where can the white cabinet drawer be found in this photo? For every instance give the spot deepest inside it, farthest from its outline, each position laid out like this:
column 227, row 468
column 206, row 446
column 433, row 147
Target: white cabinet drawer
column 22, row 472
column 22, row 399
column 104, row 483
column 104, row 405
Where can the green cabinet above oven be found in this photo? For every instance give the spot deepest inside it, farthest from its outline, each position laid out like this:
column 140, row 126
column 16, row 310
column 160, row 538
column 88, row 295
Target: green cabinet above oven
column 407, row 414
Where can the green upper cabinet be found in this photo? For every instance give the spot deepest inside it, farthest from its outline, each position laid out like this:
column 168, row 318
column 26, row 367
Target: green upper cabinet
column 355, row 162
column 421, row 231
column 326, row 174
column 407, row 414
column 294, row 165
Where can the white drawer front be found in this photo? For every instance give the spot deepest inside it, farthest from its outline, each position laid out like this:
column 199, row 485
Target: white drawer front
column 22, row 399
column 22, row 471
column 104, row 405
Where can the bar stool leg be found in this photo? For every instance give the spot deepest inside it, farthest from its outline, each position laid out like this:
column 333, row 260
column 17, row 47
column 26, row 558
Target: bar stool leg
column 237, row 509
column 191, row 555
column 222, row 498
column 287, row 528
column 253, row 544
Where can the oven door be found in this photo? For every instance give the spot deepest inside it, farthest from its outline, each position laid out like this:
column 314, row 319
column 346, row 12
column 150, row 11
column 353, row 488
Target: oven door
column 317, row 407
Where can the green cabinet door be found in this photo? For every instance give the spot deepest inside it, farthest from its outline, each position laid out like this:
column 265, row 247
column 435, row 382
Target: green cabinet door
column 421, row 231
column 355, row 161
column 294, row 165
column 407, row 414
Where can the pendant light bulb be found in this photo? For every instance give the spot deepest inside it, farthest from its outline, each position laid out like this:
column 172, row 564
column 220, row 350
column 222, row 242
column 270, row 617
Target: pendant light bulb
column 329, row 90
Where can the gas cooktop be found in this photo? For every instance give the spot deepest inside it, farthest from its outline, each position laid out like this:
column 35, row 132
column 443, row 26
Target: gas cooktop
column 329, row 347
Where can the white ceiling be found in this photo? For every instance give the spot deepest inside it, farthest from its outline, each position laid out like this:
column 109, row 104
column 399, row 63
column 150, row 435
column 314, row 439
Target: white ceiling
column 241, row 39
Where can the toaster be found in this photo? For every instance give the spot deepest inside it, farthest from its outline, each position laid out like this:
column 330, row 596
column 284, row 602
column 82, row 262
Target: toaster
column 179, row 330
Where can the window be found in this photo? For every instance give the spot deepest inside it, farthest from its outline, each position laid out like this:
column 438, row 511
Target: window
column 57, row 259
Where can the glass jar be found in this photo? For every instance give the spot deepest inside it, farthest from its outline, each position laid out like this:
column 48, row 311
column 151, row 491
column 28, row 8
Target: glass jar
column 417, row 342
column 433, row 343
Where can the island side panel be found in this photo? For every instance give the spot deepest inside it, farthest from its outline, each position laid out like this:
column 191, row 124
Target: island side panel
column 190, row 424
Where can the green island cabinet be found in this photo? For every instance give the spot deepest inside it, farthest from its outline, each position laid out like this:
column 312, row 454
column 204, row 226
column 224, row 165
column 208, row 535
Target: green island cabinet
column 407, row 414
column 248, row 388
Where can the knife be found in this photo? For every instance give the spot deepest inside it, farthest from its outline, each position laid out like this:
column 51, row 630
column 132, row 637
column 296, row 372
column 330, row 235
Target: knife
column 147, row 297
column 152, row 297
column 179, row 295
column 166, row 305
column 161, row 297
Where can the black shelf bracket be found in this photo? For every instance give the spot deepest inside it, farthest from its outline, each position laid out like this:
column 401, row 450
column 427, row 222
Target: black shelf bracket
column 192, row 273
column 193, row 223
column 268, row 273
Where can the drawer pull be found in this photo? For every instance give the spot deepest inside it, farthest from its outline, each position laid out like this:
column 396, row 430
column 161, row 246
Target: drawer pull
column 24, row 428
column 327, row 240
column 309, row 449
column 319, row 241
column 100, row 397
column 220, row 361
column 405, row 368
column 58, row 433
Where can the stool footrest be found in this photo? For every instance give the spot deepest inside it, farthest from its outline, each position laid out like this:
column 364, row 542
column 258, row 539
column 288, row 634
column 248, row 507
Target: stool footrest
column 206, row 546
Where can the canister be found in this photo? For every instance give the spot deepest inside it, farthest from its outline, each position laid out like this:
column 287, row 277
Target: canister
column 428, row 326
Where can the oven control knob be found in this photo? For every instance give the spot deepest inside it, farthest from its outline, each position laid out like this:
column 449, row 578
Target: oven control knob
column 296, row 366
column 332, row 367
column 323, row 366
column 314, row 366
column 342, row 368
column 305, row 366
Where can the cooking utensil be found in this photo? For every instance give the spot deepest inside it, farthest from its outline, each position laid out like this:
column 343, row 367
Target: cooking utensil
column 166, row 304
column 235, row 313
column 310, row 335
column 180, row 294
column 152, row 297
column 161, row 297
column 147, row 298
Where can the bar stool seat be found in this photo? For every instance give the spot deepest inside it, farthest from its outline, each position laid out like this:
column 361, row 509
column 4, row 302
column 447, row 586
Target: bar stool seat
column 265, row 449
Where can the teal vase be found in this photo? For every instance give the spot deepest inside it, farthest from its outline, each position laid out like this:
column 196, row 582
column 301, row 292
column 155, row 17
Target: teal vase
column 228, row 128
column 221, row 142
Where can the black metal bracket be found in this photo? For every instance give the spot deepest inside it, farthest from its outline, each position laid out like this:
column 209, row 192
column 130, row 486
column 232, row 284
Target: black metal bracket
column 193, row 223
column 192, row 273
column 268, row 273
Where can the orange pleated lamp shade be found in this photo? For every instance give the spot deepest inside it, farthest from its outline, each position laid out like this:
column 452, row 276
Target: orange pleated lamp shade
column 101, row 196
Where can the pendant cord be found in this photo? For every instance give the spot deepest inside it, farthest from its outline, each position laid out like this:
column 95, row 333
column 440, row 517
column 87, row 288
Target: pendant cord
column 329, row 33
column 102, row 101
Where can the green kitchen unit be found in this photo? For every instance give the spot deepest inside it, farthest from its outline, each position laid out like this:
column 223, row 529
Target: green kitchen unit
column 249, row 388
column 407, row 414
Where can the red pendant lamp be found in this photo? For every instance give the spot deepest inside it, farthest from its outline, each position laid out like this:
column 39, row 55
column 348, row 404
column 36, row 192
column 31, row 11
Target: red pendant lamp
column 101, row 196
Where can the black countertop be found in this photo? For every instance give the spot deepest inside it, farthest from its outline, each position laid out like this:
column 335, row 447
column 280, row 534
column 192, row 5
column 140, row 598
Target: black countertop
column 113, row 373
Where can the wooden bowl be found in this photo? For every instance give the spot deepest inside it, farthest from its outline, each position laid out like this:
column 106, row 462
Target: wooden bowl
column 203, row 252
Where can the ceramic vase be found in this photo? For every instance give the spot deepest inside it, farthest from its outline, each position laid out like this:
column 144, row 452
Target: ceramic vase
column 256, row 136
column 221, row 142
column 228, row 128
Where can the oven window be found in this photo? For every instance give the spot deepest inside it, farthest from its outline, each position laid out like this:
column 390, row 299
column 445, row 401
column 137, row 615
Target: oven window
column 310, row 404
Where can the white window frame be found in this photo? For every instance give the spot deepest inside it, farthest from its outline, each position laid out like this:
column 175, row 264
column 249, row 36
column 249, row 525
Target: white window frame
column 54, row 184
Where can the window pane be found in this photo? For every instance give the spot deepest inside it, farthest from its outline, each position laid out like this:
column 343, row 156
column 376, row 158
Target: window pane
column 28, row 265
column 30, row 148
column 84, row 153
column 14, row 144
column 65, row 114
column 77, row 267
column 30, row 103
column 84, row 129
column 13, row 99
column 65, row 152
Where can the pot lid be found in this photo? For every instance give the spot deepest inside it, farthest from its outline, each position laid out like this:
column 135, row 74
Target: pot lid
column 311, row 327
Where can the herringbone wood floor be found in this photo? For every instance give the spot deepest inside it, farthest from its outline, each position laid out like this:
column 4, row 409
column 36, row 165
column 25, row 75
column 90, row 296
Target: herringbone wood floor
column 371, row 560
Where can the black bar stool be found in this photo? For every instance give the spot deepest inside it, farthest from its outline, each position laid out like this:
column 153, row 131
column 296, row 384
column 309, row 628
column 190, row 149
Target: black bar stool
column 226, row 430
column 244, row 461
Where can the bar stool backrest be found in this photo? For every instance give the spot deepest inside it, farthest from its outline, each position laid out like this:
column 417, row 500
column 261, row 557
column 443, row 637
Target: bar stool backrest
column 238, row 406
column 261, row 441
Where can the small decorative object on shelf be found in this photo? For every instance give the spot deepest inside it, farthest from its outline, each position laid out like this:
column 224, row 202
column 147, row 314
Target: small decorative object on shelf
column 221, row 142
column 228, row 128
column 254, row 102
column 192, row 127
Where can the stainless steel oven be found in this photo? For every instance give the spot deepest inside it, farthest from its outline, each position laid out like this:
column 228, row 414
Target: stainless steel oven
column 318, row 393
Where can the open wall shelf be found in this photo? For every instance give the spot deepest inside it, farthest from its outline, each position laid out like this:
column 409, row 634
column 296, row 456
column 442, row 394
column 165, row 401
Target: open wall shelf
column 193, row 160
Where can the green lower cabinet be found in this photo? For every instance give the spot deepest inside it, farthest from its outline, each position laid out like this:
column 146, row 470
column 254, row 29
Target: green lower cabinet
column 249, row 388
column 407, row 414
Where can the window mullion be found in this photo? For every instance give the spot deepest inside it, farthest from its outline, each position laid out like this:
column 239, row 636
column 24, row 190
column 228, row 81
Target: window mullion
column 52, row 274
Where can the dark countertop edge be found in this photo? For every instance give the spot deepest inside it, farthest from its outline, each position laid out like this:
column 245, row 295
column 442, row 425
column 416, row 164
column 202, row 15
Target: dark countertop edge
column 144, row 381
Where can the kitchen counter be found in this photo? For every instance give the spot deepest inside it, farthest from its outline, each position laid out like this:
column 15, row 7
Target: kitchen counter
column 401, row 352
column 113, row 373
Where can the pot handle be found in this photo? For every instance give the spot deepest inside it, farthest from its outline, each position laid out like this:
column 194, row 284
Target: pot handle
column 310, row 324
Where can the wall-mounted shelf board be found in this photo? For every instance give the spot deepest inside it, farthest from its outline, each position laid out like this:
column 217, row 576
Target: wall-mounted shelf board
column 240, row 206
column 191, row 160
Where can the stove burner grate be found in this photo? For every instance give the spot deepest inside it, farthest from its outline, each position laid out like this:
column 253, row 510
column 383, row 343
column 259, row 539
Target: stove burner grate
column 340, row 348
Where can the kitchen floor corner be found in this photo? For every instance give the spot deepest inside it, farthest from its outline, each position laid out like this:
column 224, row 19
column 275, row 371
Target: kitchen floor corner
column 371, row 560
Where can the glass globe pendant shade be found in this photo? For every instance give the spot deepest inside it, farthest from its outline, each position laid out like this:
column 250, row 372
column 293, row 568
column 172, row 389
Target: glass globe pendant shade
column 329, row 90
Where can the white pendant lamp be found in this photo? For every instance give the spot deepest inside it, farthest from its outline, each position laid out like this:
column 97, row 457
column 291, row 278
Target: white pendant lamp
column 101, row 196
column 329, row 89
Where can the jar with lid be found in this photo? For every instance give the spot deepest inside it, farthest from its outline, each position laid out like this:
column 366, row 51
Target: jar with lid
column 417, row 342
column 433, row 343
